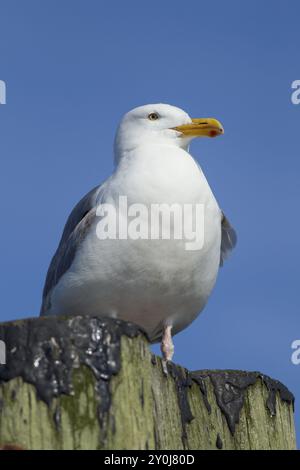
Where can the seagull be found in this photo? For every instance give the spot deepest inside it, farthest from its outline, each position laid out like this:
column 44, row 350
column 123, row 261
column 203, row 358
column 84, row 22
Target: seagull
column 156, row 283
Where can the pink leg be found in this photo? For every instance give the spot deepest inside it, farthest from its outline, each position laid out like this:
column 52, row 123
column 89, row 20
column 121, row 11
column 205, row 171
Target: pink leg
column 167, row 347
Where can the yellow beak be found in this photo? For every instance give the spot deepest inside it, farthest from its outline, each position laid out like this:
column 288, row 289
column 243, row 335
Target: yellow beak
column 201, row 127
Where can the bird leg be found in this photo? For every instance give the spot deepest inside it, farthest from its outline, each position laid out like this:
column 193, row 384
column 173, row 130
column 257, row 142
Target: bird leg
column 167, row 347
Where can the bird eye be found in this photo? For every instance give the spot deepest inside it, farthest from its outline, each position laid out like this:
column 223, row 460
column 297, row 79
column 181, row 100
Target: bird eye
column 153, row 116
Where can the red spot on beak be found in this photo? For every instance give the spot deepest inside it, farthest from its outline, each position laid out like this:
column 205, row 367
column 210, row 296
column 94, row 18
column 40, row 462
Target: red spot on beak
column 213, row 133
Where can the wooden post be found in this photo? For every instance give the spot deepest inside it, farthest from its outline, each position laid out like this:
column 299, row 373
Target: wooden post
column 92, row 383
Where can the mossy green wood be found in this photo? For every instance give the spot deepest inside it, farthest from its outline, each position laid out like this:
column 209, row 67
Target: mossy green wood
column 144, row 413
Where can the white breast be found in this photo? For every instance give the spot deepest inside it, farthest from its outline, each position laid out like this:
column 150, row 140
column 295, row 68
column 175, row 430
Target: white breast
column 147, row 281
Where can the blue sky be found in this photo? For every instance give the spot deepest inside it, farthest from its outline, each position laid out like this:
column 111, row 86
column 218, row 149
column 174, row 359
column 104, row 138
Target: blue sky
column 72, row 68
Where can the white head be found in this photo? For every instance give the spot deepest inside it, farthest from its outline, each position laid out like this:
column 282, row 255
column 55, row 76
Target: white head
column 161, row 124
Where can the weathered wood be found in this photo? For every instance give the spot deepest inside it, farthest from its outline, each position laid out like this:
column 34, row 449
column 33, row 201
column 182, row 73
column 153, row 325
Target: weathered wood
column 92, row 383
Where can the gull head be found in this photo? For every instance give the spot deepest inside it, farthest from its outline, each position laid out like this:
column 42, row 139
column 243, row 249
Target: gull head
column 161, row 124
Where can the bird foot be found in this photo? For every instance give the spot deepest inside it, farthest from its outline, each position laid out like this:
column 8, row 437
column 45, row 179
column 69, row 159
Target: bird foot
column 167, row 348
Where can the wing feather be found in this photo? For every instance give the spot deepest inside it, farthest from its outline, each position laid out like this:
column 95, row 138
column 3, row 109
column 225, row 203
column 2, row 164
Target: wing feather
column 229, row 239
column 74, row 232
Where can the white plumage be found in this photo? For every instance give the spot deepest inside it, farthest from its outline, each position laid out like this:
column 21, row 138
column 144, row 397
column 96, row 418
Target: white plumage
column 158, row 284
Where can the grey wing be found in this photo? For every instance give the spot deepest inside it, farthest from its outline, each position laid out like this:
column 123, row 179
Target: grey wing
column 74, row 232
column 229, row 239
